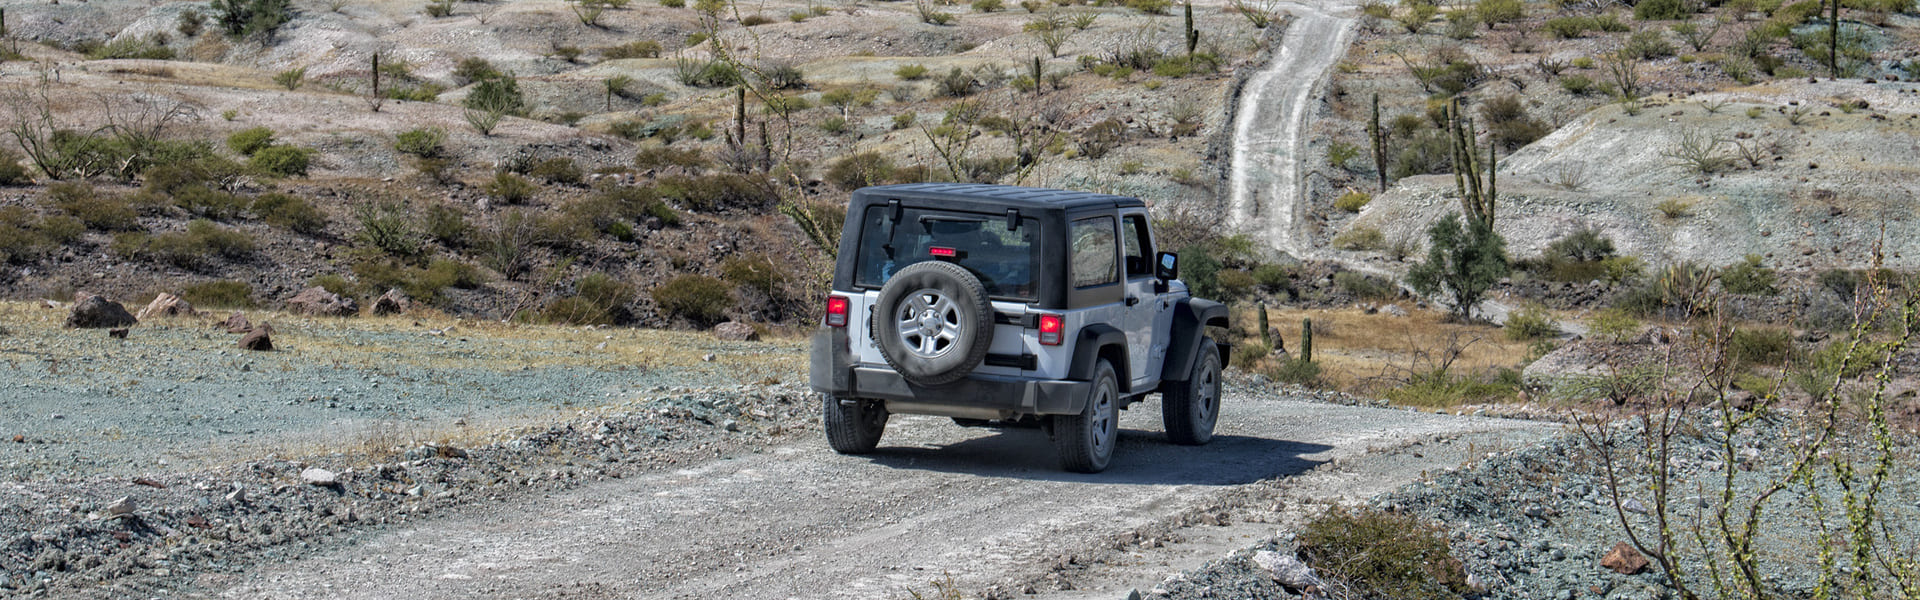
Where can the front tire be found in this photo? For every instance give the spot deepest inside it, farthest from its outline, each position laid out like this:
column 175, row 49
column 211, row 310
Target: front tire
column 1085, row 441
column 854, row 426
column 1191, row 408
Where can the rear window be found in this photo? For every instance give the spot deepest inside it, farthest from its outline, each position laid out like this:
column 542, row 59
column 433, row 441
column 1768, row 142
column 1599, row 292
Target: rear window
column 1002, row 258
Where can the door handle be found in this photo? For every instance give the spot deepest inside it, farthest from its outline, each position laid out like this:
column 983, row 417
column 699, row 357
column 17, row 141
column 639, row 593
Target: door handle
column 1131, row 300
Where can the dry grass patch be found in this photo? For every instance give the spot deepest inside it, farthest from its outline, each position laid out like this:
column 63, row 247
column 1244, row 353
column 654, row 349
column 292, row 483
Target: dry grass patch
column 1371, row 354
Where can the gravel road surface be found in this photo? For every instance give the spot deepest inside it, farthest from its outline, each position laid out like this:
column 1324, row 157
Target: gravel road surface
column 987, row 507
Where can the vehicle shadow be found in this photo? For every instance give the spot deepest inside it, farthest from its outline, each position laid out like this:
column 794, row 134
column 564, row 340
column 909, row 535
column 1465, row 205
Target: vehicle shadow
column 1142, row 458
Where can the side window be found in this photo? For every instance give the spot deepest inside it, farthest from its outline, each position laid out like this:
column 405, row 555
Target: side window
column 1094, row 252
column 1133, row 236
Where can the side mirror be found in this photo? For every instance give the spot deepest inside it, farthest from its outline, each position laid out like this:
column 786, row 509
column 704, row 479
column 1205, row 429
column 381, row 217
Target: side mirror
column 1166, row 266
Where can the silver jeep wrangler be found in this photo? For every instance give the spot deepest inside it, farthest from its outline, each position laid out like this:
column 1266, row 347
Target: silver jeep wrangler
column 990, row 303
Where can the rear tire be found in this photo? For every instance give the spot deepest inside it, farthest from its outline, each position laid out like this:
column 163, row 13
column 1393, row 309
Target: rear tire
column 853, row 427
column 1191, row 407
column 1085, row 441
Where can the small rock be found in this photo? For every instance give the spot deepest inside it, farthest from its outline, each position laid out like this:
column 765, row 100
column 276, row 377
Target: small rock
column 1286, row 569
column 730, row 425
column 317, row 301
column 392, row 303
column 261, row 338
column 237, row 323
column 118, row 333
column 123, row 506
column 166, row 305
column 19, row 439
column 94, row 312
column 238, row 495
column 149, row 483
column 1623, row 559
column 319, row 476
column 1634, row 506
column 708, row 358
column 735, row 331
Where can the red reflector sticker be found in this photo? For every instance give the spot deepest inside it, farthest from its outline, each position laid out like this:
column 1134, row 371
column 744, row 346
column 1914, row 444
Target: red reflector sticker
column 942, row 252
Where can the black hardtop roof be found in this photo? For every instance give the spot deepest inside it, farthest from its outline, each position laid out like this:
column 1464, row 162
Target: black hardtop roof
column 997, row 195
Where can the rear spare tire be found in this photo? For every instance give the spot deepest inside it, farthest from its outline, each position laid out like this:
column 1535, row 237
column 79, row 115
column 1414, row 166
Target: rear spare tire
column 933, row 322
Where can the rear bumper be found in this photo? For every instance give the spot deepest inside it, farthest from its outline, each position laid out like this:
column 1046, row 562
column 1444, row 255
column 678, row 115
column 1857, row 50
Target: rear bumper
column 975, row 397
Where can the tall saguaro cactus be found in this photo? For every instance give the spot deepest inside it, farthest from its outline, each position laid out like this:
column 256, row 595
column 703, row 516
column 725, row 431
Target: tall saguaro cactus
column 1306, row 339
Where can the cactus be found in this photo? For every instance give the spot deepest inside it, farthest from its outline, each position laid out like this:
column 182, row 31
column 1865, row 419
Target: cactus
column 1477, row 196
column 1036, row 75
column 1266, row 339
column 1379, row 139
column 1193, row 35
column 376, row 82
column 1306, row 339
column 740, row 116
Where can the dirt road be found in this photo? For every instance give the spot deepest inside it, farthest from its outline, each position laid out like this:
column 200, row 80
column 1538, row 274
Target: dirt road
column 987, row 507
column 1270, row 128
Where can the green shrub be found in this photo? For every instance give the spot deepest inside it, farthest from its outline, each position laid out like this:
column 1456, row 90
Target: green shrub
column 1353, row 201
column 510, row 188
column 1381, row 554
column 25, row 237
column 633, row 49
column 1674, row 208
column 211, row 171
column 719, row 191
column 11, row 171
column 384, row 226
column 1615, row 325
column 1578, row 85
column 1583, row 245
column 860, row 170
column 290, row 212
column 1567, row 28
column 987, row 6
column 1648, row 44
column 241, row 18
column 291, row 78
column 1531, row 323
column 598, row 299
column 1273, row 277
column 1235, row 284
column 284, row 161
column 1149, row 7
column 473, row 69
column 698, row 298
column 1660, row 10
column 559, row 170
column 448, row 225
column 912, row 72
column 1364, row 286
column 1294, row 371
column 96, row 211
column 1749, row 277
column 1495, row 12
column 152, row 47
column 1760, row 346
column 1360, row 239
column 186, row 249
column 219, row 294
column 425, row 142
column 498, row 94
column 210, row 203
column 661, row 157
column 1841, row 282
column 248, row 141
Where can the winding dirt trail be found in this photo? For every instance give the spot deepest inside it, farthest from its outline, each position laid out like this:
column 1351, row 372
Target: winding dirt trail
column 1268, row 181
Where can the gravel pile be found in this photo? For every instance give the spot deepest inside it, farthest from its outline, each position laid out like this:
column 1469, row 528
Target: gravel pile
column 122, row 537
column 1536, row 523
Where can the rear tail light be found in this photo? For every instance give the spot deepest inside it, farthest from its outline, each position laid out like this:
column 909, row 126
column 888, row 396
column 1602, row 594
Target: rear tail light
column 943, row 252
column 1051, row 328
column 837, row 311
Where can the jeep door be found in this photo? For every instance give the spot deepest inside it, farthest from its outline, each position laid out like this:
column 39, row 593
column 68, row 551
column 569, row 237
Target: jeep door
column 1148, row 316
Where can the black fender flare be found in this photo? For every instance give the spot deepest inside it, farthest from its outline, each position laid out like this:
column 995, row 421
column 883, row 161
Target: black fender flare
column 1191, row 318
column 1090, row 344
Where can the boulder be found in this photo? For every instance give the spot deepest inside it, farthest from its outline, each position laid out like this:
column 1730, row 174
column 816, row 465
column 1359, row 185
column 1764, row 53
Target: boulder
column 735, row 331
column 317, row 301
column 392, row 303
column 93, row 312
column 118, row 333
column 319, row 476
column 1287, row 570
column 237, row 323
column 123, row 506
column 1394, row 310
column 260, row 338
column 1623, row 559
column 166, row 305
